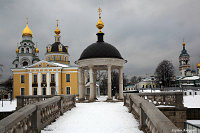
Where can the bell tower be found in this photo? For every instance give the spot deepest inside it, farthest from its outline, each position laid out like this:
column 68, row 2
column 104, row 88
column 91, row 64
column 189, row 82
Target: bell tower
column 184, row 59
column 26, row 51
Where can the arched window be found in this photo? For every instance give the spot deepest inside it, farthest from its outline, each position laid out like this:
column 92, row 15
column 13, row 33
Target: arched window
column 27, row 50
column 24, row 44
column 25, row 63
column 22, row 50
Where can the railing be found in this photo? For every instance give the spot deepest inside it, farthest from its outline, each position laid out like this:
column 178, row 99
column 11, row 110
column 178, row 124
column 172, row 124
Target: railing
column 34, row 117
column 151, row 119
column 164, row 98
column 26, row 100
column 191, row 128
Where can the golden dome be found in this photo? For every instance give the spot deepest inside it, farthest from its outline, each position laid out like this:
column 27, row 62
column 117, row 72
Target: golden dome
column 57, row 31
column 100, row 24
column 183, row 43
column 37, row 50
column 27, row 31
column 17, row 50
column 198, row 65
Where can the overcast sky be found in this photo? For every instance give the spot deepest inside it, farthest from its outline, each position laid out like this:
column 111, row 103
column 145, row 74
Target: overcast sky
column 144, row 31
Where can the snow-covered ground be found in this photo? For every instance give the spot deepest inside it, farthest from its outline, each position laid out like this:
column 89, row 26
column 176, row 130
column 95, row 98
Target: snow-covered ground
column 96, row 117
column 8, row 106
column 191, row 101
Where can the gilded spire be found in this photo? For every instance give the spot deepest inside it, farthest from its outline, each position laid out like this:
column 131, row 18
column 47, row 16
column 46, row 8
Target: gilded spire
column 100, row 23
column 183, row 43
column 27, row 31
column 57, row 31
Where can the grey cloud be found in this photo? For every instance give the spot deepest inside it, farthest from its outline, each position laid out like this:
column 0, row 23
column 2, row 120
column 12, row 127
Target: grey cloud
column 145, row 32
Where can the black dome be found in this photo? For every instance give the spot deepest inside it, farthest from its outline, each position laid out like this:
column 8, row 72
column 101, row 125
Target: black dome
column 100, row 49
column 55, row 48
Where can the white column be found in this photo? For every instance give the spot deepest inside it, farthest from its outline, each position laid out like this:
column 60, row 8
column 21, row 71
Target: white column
column 39, row 90
column 56, row 82
column 30, row 84
column 48, row 84
column 95, row 88
column 109, row 83
column 121, row 83
column 81, row 84
column 91, row 84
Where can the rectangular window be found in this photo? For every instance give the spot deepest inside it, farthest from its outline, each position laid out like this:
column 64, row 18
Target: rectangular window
column 52, row 77
column 52, row 91
column 22, row 91
column 35, row 78
column 34, row 91
column 67, row 77
column 22, row 78
column 68, row 90
column 43, row 91
column 60, row 58
column 44, row 78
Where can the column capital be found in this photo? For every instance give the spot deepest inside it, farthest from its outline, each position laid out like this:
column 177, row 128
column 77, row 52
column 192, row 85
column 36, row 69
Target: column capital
column 91, row 66
column 109, row 65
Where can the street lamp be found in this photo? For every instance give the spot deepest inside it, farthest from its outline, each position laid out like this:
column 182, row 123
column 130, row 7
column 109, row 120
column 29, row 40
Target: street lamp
column 160, row 82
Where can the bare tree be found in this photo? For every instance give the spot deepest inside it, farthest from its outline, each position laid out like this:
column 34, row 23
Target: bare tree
column 164, row 72
column 135, row 79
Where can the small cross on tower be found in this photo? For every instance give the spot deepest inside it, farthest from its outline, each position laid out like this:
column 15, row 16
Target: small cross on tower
column 57, row 22
column 99, row 11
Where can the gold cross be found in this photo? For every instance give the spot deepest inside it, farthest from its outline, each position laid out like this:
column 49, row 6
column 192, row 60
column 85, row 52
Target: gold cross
column 57, row 22
column 27, row 20
column 99, row 11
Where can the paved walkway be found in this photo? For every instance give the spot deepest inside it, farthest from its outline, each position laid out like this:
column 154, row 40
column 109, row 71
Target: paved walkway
column 96, row 117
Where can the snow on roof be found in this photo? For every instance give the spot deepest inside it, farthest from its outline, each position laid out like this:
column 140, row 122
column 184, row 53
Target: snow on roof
column 187, row 84
column 190, row 78
column 61, row 65
column 88, row 84
column 191, row 101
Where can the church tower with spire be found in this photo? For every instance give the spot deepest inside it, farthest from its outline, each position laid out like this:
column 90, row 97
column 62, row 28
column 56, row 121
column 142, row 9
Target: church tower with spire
column 27, row 52
column 57, row 52
column 184, row 59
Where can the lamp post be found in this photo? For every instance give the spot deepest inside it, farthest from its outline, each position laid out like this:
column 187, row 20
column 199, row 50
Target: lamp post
column 160, row 82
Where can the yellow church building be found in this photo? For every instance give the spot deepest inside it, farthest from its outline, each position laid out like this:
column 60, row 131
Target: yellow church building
column 52, row 76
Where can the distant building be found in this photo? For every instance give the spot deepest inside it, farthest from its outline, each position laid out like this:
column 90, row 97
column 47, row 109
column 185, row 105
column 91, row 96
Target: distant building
column 50, row 77
column 130, row 87
column 184, row 59
column 189, row 81
column 27, row 52
column 146, row 83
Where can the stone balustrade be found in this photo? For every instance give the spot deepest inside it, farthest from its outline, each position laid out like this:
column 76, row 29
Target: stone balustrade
column 34, row 117
column 151, row 119
column 164, row 98
column 26, row 100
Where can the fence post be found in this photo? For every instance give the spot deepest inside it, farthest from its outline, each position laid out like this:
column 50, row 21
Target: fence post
column 61, row 104
column 20, row 102
column 179, row 100
column 142, row 118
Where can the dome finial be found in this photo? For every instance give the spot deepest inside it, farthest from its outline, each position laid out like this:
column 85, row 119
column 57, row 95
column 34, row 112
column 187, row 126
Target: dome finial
column 57, row 31
column 27, row 31
column 183, row 42
column 100, row 23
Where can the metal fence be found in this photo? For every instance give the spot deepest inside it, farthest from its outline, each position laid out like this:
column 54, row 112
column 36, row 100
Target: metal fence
column 191, row 128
